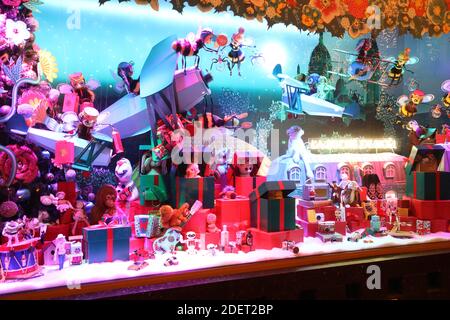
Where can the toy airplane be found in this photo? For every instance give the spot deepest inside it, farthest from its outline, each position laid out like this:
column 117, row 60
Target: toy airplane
column 295, row 96
column 164, row 91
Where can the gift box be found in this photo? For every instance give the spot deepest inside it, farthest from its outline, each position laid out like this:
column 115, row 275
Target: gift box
column 53, row 231
column 245, row 185
column 213, row 238
column 328, row 211
column 71, row 103
column 440, row 138
column 152, row 188
column 433, row 153
column 423, row 227
column 197, row 222
column 233, row 211
column 106, row 244
column 439, row 225
column 70, row 189
column 271, row 208
column 191, row 189
column 429, row 185
column 270, row 240
column 403, row 203
column 64, row 152
column 403, row 212
column 140, row 243
column 430, row 209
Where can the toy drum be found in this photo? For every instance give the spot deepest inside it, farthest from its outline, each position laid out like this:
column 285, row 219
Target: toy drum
column 19, row 260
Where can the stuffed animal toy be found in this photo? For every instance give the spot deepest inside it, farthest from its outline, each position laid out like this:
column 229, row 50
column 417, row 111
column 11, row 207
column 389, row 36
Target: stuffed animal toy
column 126, row 189
column 173, row 218
column 211, row 219
column 105, row 204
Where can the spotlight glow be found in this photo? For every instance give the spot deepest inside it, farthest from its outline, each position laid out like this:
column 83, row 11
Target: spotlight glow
column 273, row 53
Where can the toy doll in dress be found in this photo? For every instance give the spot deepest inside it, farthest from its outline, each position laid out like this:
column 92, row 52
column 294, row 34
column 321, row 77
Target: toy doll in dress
column 60, row 250
column 80, row 219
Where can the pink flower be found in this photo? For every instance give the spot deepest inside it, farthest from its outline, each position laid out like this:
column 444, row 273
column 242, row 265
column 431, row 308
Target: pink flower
column 16, row 32
column 27, row 169
column 12, row 3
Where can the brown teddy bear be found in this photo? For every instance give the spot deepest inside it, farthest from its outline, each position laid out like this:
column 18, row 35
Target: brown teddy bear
column 173, row 218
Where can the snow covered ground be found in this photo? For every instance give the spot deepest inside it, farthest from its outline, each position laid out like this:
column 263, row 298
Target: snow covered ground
column 73, row 276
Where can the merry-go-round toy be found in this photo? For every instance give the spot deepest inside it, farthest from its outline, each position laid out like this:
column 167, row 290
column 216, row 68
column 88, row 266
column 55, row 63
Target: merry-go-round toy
column 19, row 261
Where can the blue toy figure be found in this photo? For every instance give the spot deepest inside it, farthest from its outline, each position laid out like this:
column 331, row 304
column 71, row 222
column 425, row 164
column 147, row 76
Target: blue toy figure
column 60, row 250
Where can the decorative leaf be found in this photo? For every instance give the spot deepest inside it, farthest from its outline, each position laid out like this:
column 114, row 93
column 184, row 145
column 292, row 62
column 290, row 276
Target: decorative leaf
column 13, row 73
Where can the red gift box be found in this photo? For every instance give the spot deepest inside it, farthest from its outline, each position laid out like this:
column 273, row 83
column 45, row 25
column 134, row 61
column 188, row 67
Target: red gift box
column 53, row 231
column 441, row 138
column 197, row 222
column 403, row 203
column 354, row 213
column 245, row 185
column 70, row 189
column 406, row 224
column 233, row 211
column 214, row 238
column 71, row 103
column 139, row 243
column 431, row 209
column 64, row 152
column 439, row 225
column 304, row 205
column 269, row 240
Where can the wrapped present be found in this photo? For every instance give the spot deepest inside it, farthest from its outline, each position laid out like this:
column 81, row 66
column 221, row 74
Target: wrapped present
column 147, row 226
column 403, row 203
column 64, row 152
column 311, row 215
column 71, row 103
column 53, row 231
column 430, row 209
column 316, row 191
column 70, row 189
column 423, row 227
column 233, row 211
column 191, row 189
column 270, row 240
column 441, row 138
column 426, row 158
column 245, row 185
column 106, row 244
column 152, row 188
column 439, row 225
column 197, row 222
column 403, row 212
column 429, row 185
column 271, row 208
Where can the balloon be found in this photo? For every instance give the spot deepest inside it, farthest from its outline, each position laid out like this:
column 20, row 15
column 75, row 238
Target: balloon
column 23, row 194
column 45, row 155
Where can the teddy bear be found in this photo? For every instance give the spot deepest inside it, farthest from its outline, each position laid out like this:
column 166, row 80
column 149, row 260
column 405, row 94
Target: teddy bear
column 173, row 218
column 211, row 223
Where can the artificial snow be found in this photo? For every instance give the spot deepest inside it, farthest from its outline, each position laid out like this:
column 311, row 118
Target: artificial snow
column 75, row 276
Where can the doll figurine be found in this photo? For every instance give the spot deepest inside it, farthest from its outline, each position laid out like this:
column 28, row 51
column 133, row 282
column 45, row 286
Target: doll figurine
column 88, row 119
column 191, row 242
column 83, row 90
column 11, row 231
column 60, row 250
column 350, row 195
column 125, row 72
column 80, row 218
